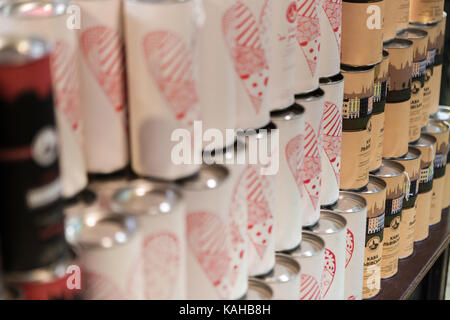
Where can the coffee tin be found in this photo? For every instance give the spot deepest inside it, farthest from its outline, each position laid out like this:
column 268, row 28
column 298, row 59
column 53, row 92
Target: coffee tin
column 258, row 290
column 330, row 14
column 426, row 11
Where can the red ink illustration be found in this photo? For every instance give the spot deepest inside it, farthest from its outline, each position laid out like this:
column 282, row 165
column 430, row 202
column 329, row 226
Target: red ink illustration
column 294, row 155
column 329, row 272
column 350, row 247
column 312, row 165
column 332, row 137
column 333, row 10
column 309, row 288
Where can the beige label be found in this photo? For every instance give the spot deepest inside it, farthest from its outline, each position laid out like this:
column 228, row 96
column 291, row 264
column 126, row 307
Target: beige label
column 407, row 227
column 435, row 89
column 436, row 200
column 423, row 205
column 362, row 33
column 390, row 19
column 391, row 241
column 416, row 113
column 446, row 197
column 426, row 11
column 403, row 14
column 396, row 129
column 372, row 256
column 355, row 156
column 426, row 102
column 376, row 154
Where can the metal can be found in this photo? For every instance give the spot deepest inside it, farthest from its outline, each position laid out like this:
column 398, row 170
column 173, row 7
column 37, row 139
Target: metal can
column 258, row 290
column 160, row 214
column 311, row 257
column 248, row 41
column 332, row 228
column 331, row 138
column 426, row 11
column 411, row 162
column 357, row 127
column 353, row 208
column 161, row 66
column 289, row 183
column 83, row 200
column 362, row 26
column 437, row 68
column 32, row 222
column 396, row 129
column 391, row 14
column 104, row 186
column 440, row 130
column 402, row 18
column 312, row 154
column 330, row 15
column 375, row 195
column 283, row 43
column 48, row 19
column 427, row 146
column 284, row 278
column 108, row 248
column 307, row 54
column 379, row 104
column 420, row 44
column 393, row 174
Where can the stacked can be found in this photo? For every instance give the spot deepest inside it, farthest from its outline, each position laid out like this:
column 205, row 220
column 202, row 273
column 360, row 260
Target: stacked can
column 440, row 130
column 397, row 111
column 437, row 69
column 394, row 175
column 392, row 12
column 426, row 11
column 427, row 146
column 420, row 44
column 353, row 208
column 379, row 104
column 357, row 127
column 258, row 290
column 104, row 187
column 411, row 162
column 332, row 228
column 48, row 19
column 402, row 14
column 311, row 256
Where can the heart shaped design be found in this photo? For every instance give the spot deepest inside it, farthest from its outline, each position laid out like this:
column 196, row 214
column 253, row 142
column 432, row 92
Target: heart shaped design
column 312, row 165
column 207, row 240
column 171, row 63
column 248, row 49
column 102, row 51
column 161, row 256
column 294, row 155
column 308, row 31
column 309, row 288
column 333, row 10
column 329, row 272
column 350, row 247
column 332, row 137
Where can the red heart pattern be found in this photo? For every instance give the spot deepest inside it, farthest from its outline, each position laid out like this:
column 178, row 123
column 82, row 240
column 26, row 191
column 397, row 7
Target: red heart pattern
column 329, row 272
column 294, row 155
column 350, row 247
column 332, row 136
column 309, row 288
column 312, row 165
column 333, row 10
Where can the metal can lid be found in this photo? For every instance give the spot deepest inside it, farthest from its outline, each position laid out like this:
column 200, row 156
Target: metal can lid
column 398, row 44
column 220, row 156
column 389, row 169
column 338, row 78
column 375, row 185
column 258, row 290
column 311, row 245
column 425, row 140
column 80, row 202
column 142, row 197
column 291, row 113
column 21, row 50
column 209, row 177
column 329, row 223
column 413, row 154
column 424, row 25
column 310, row 96
column 259, row 133
column 353, row 69
column 349, row 202
column 285, row 269
column 442, row 114
column 412, row 33
column 34, row 9
column 435, row 126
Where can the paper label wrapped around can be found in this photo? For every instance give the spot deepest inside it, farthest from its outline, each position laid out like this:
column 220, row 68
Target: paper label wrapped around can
column 436, row 201
column 330, row 14
column 407, row 227
column 372, row 256
column 390, row 19
column 426, row 11
column 437, row 70
column 402, row 17
column 396, row 129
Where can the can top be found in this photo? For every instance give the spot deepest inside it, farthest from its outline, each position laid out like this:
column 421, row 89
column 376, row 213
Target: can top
column 228, row 152
column 425, row 25
column 34, row 9
column 413, row 154
column 329, row 223
column 259, row 133
column 209, row 177
column 338, row 78
column 142, row 197
column 435, row 127
column 293, row 112
column 425, row 140
column 258, row 290
column 310, row 96
column 349, row 202
column 80, row 202
column 375, row 185
column 21, row 50
column 442, row 114
column 412, row 33
column 285, row 269
column 311, row 245
column 398, row 44
column 385, row 54
column 389, row 169
column 351, row 69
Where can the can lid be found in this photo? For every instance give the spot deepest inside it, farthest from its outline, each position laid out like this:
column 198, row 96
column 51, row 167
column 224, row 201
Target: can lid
column 80, row 202
column 425, row 140
column 385, row 54
column 349, row 202
column 413, row 154
column 21, row 50
column 412, row 33
column 258, row 290
column 310, row 96
column 353, row 69
column 311, row 245
column 221, row 155
column 33, row 9
column 389, row 169
column 209, row 177
column 424, row 25
column 338, row 78
column 375, row 185
column 442, row 114
column 398, row 44
column 291, row 113
column 286, row 268
column 329, row 223
column 435, row 126
column 259, row 133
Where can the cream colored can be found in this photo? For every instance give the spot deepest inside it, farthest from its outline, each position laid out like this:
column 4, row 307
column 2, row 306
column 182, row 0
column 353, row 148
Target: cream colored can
column 426, row 11
column 330, row 14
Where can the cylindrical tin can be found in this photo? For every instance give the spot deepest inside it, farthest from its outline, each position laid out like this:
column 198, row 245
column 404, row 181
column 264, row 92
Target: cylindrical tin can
column 258, row 290
column 32, row 222
column 402, row 14
column 162, row 85
column 353, row 208
column 362, row 26
column 289, row 183
column 331, row 138
column 379, row 104
column 307, row 54
column 375, row 195
column 357, row 128
column 311, row 257
column 393, row 174
column 283, row 43
column 81, row 202
column 312, row 154
column 396, row 129
column 160, row 215
column 420, row 45
column 426, row 11
column 105, row 187
column 102, row 87
column 440, row 130
column 217, row 95
column 332, row 229
column 444, row 115
column 247, row 27
column 437, row 69
column 411, row 162
column 108, row 249
column 284, row 278
column 330, row 15
column 427, row 146
column 391, row 14
column 48, row 19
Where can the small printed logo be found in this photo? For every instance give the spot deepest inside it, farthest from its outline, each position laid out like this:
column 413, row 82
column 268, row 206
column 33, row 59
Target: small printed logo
column 374, row 243
column 395, row 223
column 374, row 20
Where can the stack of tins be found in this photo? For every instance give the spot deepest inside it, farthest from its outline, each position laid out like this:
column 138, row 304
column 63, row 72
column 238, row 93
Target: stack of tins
column 35, row 255
column 396, row 17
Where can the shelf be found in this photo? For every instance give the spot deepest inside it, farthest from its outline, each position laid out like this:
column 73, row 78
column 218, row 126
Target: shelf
column 413, row 269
